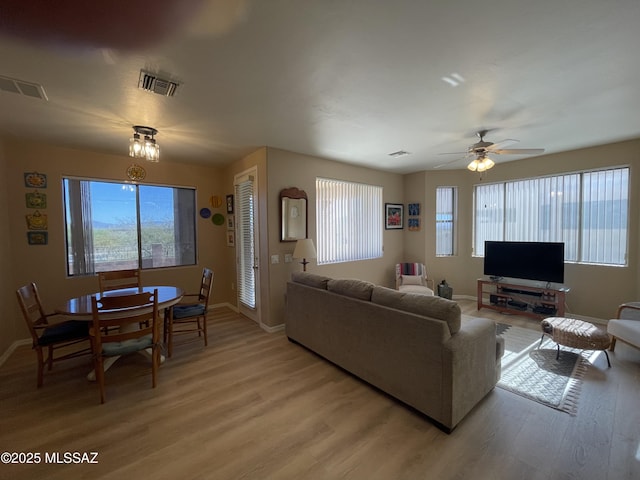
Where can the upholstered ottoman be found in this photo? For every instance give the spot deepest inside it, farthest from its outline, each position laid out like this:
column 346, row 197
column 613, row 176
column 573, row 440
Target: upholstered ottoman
column 574, row 333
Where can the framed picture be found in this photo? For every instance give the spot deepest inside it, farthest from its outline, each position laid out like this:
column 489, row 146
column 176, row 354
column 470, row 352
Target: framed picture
column 36, row 200
column 230, row 222
column 229, row 203
column 231, row 239
column 414, row 209
column 37, row 238
column 393, row 216
column 413, row 224
column 35, row 180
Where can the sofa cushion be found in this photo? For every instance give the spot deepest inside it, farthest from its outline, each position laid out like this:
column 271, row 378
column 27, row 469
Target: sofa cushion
column 428, row 306
column 351, row 287
column 310, row 279
column 411, row 280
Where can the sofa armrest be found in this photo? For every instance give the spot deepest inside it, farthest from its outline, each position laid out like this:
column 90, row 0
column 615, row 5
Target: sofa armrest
column 474, row 362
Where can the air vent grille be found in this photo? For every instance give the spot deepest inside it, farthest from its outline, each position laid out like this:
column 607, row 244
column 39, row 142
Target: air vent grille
column 152, row 83
column 399, row 153
column 21, row 87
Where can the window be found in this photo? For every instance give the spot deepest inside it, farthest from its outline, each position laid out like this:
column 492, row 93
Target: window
column 446, row 206
column 114, row 226
column 588, row 211
column 349, row 221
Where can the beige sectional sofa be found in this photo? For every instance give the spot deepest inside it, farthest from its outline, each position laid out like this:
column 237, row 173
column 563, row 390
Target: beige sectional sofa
column 413, row 347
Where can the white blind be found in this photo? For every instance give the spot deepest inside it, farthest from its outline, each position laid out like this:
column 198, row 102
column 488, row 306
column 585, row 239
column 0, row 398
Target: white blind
column 488, row 215
column 245, row 242
column 445, row 220
column 349, row 221
column 588, row 211
column 605, row 203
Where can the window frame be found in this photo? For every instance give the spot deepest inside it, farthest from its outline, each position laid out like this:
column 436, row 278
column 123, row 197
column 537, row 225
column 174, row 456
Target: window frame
column 453, row 222
column 577, row 217
column 364, row 229
column 139, row 227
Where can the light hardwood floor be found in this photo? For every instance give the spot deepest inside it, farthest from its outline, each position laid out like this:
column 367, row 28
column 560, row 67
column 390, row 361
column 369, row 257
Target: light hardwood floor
column 254, row 406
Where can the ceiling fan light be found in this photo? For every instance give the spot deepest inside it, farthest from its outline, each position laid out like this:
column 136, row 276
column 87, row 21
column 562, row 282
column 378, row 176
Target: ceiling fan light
column 473, row 165
column 489, row 163
column 152, row 150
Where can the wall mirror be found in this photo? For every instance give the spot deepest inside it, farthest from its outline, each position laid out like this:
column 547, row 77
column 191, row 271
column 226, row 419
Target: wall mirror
column 293, row 214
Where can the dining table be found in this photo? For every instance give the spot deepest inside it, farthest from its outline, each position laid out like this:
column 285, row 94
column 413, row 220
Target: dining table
column 80, row 308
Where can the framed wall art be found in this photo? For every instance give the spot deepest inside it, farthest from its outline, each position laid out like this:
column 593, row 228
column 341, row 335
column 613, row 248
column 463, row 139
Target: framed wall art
column 231, row 239
column 38, row 238
column 36, row 200
column 230, row 222
column 393, row 216
column 229, row 203
column 35, row 180
column 413, row 224
column 414, row 209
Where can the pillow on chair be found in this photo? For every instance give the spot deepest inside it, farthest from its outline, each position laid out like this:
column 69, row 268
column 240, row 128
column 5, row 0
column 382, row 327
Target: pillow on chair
column 184, row 311
column 411, row 280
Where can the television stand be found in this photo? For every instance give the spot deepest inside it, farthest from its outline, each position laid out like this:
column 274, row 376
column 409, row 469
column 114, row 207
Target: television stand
column 508, row 297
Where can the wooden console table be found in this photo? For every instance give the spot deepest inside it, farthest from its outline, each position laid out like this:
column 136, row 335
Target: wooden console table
column 507, row 297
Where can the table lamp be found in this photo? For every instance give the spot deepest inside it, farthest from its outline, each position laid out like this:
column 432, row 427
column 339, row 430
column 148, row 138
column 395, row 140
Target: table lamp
column 304, row 249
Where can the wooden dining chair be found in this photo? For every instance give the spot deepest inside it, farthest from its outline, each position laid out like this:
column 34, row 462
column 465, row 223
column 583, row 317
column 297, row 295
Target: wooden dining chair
column 190, row 315
column 134, row 328
column 48, row 335
column 119, row 279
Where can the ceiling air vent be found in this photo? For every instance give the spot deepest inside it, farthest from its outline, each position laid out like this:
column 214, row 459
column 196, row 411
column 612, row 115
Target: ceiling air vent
column 28, row 89
column 399, row 153
column 152, row 83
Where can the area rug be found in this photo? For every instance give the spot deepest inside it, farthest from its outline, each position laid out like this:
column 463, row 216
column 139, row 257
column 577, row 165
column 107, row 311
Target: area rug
column 532, row 371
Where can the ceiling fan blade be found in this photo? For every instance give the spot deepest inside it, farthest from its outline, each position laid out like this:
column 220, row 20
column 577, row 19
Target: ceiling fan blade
column 519, row 151
column 499, row 145
column 454, row 153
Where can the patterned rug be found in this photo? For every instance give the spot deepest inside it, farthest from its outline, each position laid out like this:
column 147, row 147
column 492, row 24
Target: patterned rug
column 534, row 373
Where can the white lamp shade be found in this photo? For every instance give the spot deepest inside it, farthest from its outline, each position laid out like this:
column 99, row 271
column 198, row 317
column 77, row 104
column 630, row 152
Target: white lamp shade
column 304, row 249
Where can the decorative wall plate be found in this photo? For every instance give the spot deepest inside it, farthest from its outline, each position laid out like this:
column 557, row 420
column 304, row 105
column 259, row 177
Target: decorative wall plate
column 218, row 219
column 135, row 172
column 205, row 212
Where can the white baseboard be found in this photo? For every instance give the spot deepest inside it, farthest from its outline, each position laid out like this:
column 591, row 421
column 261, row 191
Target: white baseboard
column 224, row 305
column 12, row 347
column 274, row 329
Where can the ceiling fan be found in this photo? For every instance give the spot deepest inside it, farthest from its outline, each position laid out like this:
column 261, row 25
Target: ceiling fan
column 481, row 150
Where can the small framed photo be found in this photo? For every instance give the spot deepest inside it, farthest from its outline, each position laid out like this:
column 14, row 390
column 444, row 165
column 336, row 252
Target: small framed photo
column 413, row 224
column 231, row 239
column 229, row 203
column 414, row 209
column 393, row 216
column 231, row 224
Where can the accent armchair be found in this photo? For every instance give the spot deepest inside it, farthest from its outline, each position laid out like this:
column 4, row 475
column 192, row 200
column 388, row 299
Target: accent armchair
column 626, row 325
column 412, row 278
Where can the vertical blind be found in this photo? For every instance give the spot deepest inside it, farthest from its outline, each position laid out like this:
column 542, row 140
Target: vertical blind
column 588, row 211
column 245, row 242
column 349, row 220
column 445, row 221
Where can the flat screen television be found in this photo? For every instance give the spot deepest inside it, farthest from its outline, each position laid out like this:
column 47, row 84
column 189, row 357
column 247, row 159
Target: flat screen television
column 528, row 260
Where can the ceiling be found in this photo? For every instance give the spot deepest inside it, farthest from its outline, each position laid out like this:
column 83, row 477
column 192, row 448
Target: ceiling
column 350, row 80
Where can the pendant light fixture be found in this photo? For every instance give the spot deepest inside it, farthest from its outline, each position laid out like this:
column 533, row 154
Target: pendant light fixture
column 146, row 147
